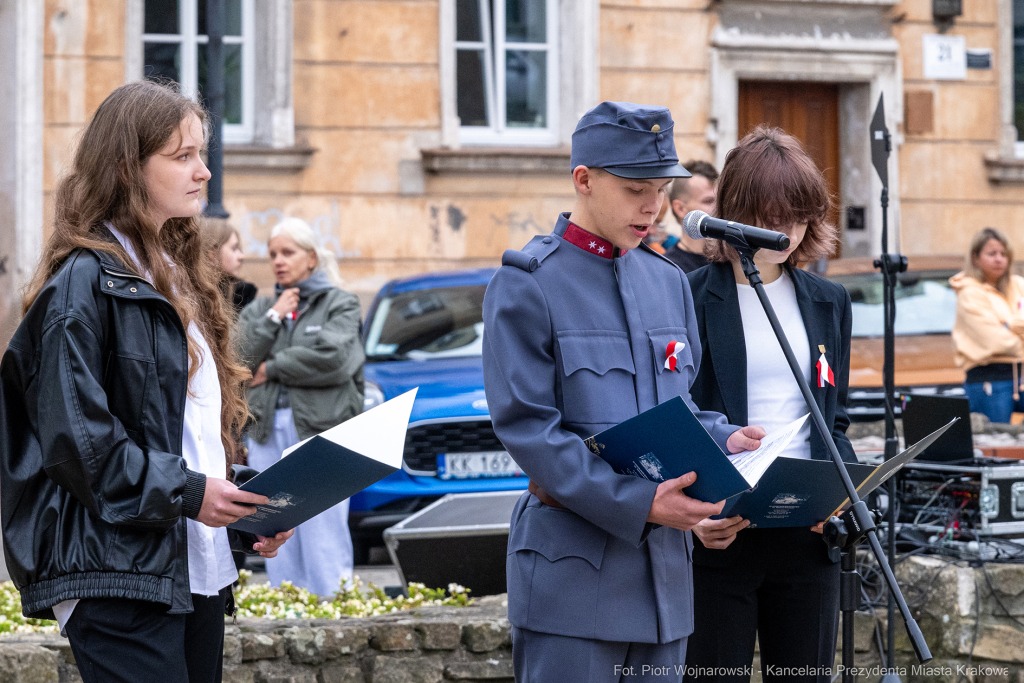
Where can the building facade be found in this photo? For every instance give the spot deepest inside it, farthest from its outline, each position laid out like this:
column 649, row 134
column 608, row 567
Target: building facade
column 433, row 134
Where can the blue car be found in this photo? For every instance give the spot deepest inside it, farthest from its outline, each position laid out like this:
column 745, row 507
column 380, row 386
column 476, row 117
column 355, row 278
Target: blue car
column 427, row 332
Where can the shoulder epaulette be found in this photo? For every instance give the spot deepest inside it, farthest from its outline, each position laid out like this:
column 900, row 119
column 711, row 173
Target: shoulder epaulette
column 532, row 255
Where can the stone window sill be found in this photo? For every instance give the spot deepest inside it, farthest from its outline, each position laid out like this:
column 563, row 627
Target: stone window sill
column 498, row 160
column 1004, row 170
column 255, row 159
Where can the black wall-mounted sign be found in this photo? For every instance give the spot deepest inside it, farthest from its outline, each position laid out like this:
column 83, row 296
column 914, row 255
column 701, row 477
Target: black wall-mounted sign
column 855, row 219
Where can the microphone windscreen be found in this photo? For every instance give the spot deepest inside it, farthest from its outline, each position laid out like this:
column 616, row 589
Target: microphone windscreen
column 691, row 224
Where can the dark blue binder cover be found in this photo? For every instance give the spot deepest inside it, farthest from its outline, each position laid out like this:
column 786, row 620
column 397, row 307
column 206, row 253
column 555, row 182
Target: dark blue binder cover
column 316, row 476
column 795, row 492
column 666, row 442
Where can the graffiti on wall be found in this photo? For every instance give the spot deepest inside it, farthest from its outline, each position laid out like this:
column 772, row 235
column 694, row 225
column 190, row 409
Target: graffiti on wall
column 255, row 226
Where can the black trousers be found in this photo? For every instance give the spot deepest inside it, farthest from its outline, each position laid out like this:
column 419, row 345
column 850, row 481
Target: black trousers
column 130, row 641
column 781, row 588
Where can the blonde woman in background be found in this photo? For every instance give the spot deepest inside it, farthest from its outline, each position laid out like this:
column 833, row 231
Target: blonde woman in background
column 303, row 347
column 988, row 336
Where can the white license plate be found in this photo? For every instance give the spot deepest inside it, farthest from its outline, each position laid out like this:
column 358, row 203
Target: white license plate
column 476, row 465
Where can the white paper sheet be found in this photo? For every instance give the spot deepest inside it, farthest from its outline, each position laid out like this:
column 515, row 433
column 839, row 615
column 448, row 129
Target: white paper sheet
column 379, row 433
column 753, row 464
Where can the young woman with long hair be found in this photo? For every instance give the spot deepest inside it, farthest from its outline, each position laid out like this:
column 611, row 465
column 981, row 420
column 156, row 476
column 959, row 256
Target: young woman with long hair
column 780, row 586
column 224, row 245
column 120, row 407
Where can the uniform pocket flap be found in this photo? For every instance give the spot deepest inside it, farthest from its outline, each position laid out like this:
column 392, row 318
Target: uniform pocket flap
column 660, row 340
column 598, row 352
column 557, row 534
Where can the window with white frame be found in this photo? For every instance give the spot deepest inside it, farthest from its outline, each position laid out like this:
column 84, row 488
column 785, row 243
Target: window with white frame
column 175, row 48
column 506, row 71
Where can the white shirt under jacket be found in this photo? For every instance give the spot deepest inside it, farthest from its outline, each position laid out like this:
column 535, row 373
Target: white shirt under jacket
column 773, row 397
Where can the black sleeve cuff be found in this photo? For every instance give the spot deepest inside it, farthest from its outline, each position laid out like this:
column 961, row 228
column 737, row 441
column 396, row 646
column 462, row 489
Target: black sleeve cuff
column 192, row 499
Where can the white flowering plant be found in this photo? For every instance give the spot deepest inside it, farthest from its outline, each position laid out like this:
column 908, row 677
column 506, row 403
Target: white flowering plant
column 287, row 602
column 352, row 600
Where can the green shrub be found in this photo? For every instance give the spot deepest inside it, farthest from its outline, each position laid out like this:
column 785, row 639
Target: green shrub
column 286, row 602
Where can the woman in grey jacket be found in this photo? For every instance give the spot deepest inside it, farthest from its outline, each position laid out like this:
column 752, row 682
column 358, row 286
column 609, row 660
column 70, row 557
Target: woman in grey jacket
column 303, row 347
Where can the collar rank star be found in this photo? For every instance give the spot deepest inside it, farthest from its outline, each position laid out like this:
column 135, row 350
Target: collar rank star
column 672, row 355
column 590, row 242
column 824, row 370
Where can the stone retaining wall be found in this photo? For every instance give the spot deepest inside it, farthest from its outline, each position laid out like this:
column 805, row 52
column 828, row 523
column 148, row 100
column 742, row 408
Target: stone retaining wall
column 972, row 617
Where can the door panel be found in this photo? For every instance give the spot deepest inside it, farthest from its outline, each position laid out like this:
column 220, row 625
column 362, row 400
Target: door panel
column 807, row 111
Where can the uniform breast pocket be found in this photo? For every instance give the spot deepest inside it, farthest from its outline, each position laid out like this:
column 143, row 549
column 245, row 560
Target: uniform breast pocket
column 673, row 362
column 597, row 377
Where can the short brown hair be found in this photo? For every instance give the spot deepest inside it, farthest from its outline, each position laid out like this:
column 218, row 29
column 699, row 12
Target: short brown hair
column 768, row 180
column 978, row 242
column 695, row 167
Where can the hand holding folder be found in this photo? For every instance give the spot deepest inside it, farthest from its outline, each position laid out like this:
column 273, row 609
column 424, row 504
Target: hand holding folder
column 325, row 469
column 668, row 441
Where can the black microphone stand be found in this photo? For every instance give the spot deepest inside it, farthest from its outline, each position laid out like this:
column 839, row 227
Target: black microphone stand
column 890, row 265
column 856, row 524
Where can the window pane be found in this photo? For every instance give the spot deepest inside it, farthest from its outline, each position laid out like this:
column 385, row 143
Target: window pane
column 471, row 91
column 525, row 21
column 526, row 89
column 467, row 20
column 161, row 16
column 232, row 81
column 162, row 61
column 232, row 17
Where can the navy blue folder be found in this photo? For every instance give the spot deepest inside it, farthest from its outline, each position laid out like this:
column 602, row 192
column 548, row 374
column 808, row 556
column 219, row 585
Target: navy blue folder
column 795, row 492
column 316, row 476
column 666, row 442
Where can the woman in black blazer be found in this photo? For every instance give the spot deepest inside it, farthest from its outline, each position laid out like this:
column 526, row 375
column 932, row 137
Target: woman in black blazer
column 778, row 585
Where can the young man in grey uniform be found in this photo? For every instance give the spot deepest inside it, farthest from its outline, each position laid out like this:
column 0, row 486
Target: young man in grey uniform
column 579, row 325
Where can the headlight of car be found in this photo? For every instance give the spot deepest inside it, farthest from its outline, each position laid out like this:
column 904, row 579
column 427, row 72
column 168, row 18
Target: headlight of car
column 372, row 396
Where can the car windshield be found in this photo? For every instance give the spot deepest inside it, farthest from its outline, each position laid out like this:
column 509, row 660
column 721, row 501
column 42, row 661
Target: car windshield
column 428, row 323
column 925, row 303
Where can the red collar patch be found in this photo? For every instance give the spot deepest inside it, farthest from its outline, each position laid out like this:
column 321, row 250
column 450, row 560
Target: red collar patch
column 586, row 241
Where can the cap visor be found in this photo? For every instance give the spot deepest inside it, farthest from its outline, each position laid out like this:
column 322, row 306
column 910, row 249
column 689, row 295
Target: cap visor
column 646, row 172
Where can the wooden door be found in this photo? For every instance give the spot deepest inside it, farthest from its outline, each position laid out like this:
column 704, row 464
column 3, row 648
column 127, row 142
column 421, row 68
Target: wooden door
column 807, row 111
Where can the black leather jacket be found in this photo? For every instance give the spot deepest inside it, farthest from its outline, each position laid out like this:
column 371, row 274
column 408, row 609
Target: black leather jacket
column 94, row 491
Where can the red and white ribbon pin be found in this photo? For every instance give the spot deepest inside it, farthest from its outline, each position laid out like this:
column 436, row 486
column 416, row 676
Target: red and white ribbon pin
column 671, row 355
column 824, row 370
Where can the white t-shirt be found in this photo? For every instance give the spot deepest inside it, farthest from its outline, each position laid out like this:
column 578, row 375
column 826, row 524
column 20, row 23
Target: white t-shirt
column 210, row 565
column 773, row 397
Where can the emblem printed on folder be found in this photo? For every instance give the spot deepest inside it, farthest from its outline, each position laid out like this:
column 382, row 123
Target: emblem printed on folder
column 672, row 355
column 825, row 375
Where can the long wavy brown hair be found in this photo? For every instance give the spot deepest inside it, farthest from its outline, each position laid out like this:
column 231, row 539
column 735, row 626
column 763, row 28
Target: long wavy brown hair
column 106, row 183
column 768, row 180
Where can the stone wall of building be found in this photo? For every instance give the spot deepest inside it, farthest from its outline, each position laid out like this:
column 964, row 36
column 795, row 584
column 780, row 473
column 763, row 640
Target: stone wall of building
column 945, row 192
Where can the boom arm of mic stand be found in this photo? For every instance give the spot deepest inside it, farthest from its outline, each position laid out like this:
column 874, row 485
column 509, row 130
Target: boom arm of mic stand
column 754, row 277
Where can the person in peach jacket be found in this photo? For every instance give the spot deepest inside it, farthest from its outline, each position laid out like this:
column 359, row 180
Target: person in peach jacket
column 988, row 336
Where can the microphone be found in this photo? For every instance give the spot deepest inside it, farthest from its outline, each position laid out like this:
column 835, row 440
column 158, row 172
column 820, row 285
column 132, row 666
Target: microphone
column 699, row 225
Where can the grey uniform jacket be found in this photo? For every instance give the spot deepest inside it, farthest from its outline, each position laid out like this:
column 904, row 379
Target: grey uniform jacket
column 574, row 344
column 319, row 358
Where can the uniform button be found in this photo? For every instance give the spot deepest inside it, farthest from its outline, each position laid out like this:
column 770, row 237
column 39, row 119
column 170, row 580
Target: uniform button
column 655, row 128
column 110, row 283
column 661, row 136
column 546, row 240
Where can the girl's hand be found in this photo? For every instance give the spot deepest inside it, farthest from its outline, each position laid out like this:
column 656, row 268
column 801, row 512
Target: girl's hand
column 719, row 533
column 268, row 547
column 260, row 376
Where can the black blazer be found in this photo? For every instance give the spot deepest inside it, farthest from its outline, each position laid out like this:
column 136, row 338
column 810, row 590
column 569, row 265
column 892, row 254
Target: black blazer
column 721, row 382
